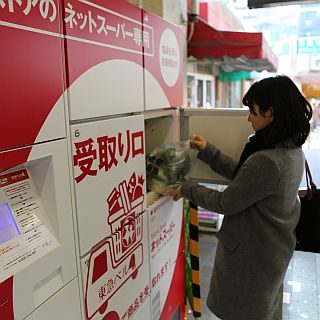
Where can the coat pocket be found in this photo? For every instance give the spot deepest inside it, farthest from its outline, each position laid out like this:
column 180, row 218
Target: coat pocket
column 230, row 242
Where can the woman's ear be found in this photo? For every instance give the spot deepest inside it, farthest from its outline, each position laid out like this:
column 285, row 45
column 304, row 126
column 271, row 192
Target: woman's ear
column 270, row 114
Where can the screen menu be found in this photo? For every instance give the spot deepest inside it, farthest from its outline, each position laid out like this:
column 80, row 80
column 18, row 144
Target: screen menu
column 8, row 227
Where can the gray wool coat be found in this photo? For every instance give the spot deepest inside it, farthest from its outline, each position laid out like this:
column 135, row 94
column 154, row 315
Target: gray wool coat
column 257, row 237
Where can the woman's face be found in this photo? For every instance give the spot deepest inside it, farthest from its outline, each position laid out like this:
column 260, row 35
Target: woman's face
column 258, row 119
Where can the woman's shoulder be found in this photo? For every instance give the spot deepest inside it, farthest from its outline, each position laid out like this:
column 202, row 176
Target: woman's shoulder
column 264, row 158
column 279, row 156
column 280, row 151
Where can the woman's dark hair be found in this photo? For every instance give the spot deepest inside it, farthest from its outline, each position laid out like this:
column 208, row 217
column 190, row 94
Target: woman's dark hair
column 291, row 110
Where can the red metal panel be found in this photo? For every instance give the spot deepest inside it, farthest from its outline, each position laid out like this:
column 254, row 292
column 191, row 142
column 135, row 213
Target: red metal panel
column 31, row 69
column 6, row 301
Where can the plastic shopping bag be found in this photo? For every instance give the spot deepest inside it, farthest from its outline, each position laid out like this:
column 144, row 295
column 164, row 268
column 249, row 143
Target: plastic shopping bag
column 168, row 166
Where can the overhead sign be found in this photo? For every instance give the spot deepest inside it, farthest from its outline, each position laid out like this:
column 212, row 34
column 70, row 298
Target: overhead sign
column 273, row 3
column 308, row 45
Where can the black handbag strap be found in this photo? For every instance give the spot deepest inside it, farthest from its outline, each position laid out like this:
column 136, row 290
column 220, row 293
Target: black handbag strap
column 310, row 184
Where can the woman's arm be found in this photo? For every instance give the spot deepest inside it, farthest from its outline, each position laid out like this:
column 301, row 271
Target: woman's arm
column 217, row 161
column 249, row 186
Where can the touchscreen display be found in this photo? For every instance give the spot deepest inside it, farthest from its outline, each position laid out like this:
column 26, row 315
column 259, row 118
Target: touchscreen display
column 8, row 227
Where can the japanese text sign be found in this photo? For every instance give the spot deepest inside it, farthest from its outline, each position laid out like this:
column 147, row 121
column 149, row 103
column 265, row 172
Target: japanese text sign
column 109, row 175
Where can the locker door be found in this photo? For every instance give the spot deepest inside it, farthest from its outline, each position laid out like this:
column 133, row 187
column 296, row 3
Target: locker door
column 227, row 129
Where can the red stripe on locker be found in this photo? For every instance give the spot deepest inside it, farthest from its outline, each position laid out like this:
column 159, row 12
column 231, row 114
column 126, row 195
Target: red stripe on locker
column 6, row 299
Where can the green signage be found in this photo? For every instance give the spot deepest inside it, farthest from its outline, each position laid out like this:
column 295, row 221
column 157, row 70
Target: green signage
column 308, row 45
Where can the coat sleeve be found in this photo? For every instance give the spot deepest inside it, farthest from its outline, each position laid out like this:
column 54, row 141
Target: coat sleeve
column 217, row 161
column 257, row 178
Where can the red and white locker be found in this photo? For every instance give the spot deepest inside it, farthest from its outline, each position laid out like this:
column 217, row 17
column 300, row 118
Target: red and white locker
column 168, row 299
column 166, row 237
column 116, row 274
column 31, row 90
column 65, row 304
column 36, row 235
column 163, row 63
column 144, row 312
column 110, row 192
column 166, row 245
column 104, row 55
column 109, row 176
column 69, row 68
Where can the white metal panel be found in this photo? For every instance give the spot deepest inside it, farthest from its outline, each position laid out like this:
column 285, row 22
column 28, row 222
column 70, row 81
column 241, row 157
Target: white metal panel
column 46, row 260
column 104, row 90
column 109, row 176
column 144, row 311
column 163, row 63
column 166, row 237
column 104, row 58
column 227, row 129
column 168, row 298
column 116, row 273
column 31, row 82
column 65, row 304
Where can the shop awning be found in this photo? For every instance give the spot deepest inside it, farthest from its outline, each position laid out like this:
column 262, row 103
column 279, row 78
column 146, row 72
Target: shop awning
column 234, row 51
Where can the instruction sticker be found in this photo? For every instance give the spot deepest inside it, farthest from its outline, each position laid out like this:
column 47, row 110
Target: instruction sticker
column 23, row 236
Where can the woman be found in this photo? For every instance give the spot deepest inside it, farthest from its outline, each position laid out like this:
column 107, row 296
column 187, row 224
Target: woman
column 260, row 205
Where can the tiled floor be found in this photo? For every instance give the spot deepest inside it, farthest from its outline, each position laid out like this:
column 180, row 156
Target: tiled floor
column 301, row 286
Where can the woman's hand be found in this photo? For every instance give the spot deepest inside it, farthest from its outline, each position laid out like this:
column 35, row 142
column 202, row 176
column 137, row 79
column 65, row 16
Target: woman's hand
column 175, row 193
column 198, row 142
